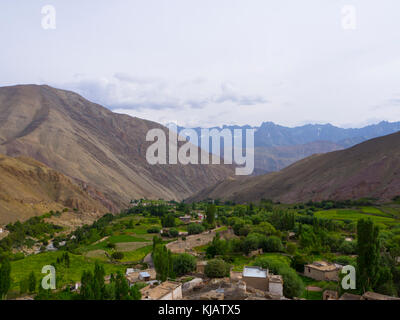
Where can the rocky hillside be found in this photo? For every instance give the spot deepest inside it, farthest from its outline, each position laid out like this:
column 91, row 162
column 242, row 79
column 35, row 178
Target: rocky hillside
column 97, row 148
column 29, row 188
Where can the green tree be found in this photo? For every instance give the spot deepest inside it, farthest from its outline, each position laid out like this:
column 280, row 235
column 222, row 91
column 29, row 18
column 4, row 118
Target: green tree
column 217, row 268
column 32, row 282
column 183, row 264
column 368, row 254
column 5, row 278
column 210, row 214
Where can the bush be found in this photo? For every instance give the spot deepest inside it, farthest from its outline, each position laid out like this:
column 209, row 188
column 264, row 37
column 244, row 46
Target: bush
column 217, row 269
column 173, row 233
column 298, row 263
column 273, row 244
column 183, row 264
column 117, row 255
column 291, row 248
column 153, row 230
column 195, row 228
column 292, row 284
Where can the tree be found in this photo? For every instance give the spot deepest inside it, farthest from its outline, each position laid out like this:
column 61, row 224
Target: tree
column 121, row 287
column 292, row 284
column 183, row 264
column 273, row 244
column 291, row 248
column 5, row 278
column 217, row 268
column 210, row 214
column 368, row 254
column 117, row 255
column 195, row 228
column 32, row 282
column 86, row 291
column 168, row 221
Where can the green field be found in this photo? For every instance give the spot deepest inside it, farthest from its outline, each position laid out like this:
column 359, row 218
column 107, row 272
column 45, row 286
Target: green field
column 355, row 214
column 22, row 268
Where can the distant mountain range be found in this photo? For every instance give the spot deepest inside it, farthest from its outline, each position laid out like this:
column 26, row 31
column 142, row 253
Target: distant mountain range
column 370, row 169
column 277, row 146
column 95, row 148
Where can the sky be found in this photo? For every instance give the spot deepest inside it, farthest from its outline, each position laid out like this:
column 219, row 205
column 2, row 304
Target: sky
column 213, row 62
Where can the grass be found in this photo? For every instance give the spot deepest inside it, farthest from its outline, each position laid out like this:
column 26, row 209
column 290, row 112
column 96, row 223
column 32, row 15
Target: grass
column 376, row 215
column 138, row 254
column 22, row 268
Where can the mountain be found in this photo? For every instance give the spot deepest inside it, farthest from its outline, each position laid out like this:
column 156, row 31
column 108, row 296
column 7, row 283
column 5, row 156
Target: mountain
column 277, row 147
column 29, row 188
column 369, row 169
column 93, row 146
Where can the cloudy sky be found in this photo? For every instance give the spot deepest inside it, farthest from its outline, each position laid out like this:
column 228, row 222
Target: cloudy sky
column 213, row 62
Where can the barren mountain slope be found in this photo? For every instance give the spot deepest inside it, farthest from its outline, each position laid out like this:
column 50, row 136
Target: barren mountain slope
column 93, row 145
column 29, row 188
column 370, row 169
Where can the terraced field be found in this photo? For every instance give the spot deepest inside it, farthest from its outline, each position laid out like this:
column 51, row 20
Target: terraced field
column 376, row 214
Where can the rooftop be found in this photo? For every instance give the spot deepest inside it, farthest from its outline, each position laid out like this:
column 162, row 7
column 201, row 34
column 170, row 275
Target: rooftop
column 156, row 293
column 322, row 266
column 255, row 272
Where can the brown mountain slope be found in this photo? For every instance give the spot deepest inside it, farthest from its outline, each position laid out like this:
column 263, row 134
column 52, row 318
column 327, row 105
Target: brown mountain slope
column 29, row 188
column 93, row 145
column 370, row 169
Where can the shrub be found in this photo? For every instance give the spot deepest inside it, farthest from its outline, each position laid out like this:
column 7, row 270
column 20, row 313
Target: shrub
column 273, row 244
column 153, row 230
column 173, row 233
column 117, row 255
column 183, row 264
column 291, row 248
column 217, row 269
column 195, row 228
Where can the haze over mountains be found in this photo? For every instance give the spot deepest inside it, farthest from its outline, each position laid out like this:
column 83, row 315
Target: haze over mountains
column 276, row 146
column 370, row 169
column 98, row 149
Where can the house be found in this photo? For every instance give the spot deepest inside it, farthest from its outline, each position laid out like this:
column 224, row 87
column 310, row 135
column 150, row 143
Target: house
column 256, row 277
column 140, row 275
column 261, row 279
column 200, row 266
column 144, row 276
column 275, row 285
column 185, row 219
column 322, row 271
column 130, row 270
column 168, row 290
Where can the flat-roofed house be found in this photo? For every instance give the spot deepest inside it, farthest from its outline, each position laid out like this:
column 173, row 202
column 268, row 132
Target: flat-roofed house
column 256, row 277
column 322, row 271
column 144, row 276
column 168, row 290
column 261, row 279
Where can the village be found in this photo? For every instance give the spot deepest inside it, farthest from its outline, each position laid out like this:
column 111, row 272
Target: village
column 263, row 251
